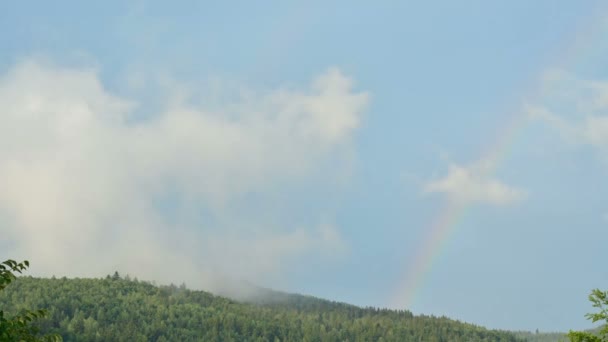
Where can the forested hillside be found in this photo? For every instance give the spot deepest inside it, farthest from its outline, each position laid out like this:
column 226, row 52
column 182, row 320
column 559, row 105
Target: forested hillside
column 116, row 309
column 542, row 337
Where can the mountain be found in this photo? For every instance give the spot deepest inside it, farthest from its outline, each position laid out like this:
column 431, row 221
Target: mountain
column 117, row 309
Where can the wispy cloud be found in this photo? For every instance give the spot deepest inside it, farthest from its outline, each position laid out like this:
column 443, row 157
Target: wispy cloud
column 80, row 179
column 576, row 108
column 474, row 184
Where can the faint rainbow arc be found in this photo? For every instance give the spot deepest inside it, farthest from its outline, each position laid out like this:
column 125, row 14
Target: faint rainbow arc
column 440, row 229
column 453, row 212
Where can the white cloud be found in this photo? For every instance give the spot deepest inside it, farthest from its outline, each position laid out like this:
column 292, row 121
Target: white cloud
column 468, row 184
column 264, row 254
column 595, row 131
column 80, row 179
column 592, row 129
column 576, row 108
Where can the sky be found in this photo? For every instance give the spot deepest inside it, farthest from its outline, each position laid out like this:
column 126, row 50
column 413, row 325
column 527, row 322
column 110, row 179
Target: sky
column 442, row 157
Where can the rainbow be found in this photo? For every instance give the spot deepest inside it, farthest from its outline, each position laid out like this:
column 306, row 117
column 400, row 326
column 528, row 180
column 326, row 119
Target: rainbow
column 578, row 48
column 452, row 213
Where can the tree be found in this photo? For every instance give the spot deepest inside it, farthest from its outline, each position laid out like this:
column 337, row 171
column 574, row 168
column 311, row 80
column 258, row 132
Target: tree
column 600, row 301
column 19, row 327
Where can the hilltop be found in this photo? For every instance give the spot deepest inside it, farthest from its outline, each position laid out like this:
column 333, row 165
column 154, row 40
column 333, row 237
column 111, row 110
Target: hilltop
column 117, row 309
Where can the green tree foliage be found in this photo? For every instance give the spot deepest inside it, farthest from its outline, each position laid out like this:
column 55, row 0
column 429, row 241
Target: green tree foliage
column 600, row 302
column 20, row 326
column 541, row 336
column 117, row 309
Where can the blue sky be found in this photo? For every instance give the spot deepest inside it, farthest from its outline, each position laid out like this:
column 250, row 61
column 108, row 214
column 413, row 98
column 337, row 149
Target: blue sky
column 308, row 147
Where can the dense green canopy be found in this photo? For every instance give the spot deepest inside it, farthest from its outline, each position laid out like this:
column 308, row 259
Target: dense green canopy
column 117, row 309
